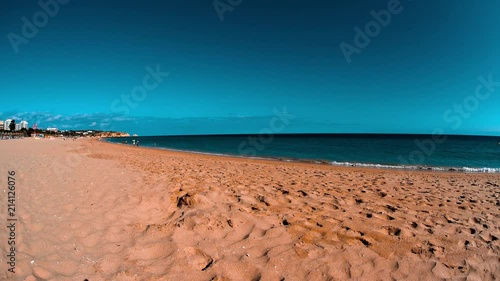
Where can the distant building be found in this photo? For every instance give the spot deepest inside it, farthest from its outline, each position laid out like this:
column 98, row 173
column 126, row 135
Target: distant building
column 7, row 124
column 24, row 125
column 2, row 125
column 18, row 127
column 52, row 129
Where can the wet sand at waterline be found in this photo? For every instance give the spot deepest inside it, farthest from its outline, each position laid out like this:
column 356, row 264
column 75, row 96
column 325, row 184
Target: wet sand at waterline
column 99, row 211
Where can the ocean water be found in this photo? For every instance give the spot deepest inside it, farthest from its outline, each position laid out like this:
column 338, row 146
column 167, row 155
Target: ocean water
column 460, row 153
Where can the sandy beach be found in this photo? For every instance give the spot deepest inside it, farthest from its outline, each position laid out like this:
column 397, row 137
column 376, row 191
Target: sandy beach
column 98, row 211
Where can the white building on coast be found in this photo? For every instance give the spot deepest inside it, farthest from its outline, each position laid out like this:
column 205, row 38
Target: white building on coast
column 24, row 124
column 7, row 124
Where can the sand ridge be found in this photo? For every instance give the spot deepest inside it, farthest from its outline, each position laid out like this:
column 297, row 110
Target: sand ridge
column 115, row 212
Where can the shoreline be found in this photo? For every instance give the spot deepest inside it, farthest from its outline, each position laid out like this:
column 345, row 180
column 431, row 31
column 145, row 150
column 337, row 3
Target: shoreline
column 369, row 166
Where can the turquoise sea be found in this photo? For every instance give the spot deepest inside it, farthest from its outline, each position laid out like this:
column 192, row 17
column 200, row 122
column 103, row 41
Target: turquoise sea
column 456, row 153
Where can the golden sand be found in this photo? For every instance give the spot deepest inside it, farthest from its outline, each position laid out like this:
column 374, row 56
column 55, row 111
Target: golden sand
column 99, row 211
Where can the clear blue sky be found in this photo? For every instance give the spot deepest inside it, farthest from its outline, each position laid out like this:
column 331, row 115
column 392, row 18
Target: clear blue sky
column 228, row 76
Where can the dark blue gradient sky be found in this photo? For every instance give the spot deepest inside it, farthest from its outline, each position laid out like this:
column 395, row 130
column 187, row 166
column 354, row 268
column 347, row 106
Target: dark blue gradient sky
column 228, row 76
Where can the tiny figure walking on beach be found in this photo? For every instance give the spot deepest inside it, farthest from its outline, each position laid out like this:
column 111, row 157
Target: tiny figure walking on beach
column 137, row 143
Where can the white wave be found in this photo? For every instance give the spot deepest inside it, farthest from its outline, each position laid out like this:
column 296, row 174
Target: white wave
column 481, row 170
column 408, row 167
column 346, row 164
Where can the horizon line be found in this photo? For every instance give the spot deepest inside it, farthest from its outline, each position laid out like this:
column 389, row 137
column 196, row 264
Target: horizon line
column 321, row 134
